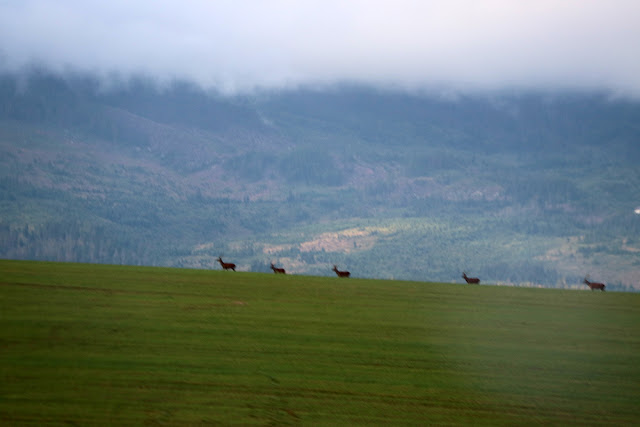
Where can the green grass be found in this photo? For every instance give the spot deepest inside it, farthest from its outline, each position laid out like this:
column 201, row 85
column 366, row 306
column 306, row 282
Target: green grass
column 93, row 344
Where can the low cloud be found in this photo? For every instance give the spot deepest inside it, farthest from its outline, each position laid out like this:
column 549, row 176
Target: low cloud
column 240, row 45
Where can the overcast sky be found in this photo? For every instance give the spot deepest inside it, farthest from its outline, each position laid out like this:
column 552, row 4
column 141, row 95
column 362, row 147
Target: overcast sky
column 243, row 44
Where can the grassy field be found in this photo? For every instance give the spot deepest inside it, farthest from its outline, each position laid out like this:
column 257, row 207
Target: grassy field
column 93, row 344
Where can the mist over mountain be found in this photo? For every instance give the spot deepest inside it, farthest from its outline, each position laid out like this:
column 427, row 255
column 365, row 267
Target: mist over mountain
column 530, row 187
column 244, row 45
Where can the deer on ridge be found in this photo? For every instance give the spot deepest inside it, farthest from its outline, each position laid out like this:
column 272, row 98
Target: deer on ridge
column 594, row 285
column 277, row 270
column 470, row 280
column 226, row 265
column 341, row 273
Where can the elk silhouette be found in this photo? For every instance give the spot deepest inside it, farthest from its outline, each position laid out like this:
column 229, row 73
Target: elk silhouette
column 594, row 285
column 470, row 280
column 341, row 273
column 227, row 265
column 277, row 270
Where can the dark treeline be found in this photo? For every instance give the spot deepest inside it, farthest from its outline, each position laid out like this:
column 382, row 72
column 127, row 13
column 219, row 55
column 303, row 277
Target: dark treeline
column 69, row 241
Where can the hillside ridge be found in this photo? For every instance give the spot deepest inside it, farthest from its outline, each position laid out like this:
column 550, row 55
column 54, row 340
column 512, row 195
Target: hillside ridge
column 518, row 188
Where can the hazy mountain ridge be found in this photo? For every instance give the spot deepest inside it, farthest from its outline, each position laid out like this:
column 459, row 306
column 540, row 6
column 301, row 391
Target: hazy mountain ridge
column 177, row 176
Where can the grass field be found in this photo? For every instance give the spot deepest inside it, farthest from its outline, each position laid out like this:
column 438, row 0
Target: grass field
column 93, row 344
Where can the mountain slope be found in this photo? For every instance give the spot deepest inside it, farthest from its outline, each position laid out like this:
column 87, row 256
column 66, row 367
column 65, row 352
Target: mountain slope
column 521, row 188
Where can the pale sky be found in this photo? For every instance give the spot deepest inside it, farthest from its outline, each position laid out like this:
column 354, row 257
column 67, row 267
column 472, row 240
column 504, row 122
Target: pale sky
column 240, row 45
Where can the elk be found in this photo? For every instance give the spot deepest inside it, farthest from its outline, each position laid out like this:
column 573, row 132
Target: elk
column 594, row 285
column 341, row 273
column 277, row 270
column 470, row 280
column 227, row 265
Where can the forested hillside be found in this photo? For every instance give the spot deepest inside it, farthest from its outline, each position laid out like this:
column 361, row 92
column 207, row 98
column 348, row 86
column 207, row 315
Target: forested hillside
column 527, row 188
